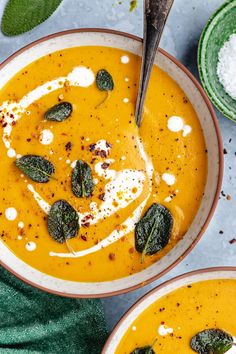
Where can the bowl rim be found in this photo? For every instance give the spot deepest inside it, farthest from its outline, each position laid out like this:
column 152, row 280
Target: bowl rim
column 201, row 67
column 159, row 287
column 220, row 153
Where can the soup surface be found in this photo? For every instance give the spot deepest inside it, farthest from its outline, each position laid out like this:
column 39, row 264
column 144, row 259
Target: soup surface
column 164, row 162
column 175, row 318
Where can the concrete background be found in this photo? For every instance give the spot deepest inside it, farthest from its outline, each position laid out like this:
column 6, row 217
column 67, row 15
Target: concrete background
column 180, row 38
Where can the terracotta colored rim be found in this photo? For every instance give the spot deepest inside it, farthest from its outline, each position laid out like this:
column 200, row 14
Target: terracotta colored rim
column 159, row 287
column 221, row 161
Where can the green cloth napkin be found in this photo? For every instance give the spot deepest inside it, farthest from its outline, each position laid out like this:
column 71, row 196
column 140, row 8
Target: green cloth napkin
column 33, row 321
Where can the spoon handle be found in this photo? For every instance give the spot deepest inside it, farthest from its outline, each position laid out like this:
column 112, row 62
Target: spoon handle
column 155, row 16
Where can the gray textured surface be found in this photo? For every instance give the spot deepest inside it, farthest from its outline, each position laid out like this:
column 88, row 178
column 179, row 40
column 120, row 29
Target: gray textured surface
column 180, row 39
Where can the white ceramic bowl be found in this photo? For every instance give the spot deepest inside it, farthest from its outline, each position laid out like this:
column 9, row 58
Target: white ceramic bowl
column 200, row 102
column 160, row 291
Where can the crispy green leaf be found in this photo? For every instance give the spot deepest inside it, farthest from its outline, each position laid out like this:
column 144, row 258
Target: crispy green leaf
column 104, row 80
column 63, row 221
column 35, row 167
column 152, row 232
column 211, row 341
column 22, row 15
column 59, row 112
column 143, row 350
column 82, row 180
column 133, row 4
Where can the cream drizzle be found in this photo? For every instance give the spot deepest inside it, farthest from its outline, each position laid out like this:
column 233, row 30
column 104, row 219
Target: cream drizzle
column 31, row 246
column 163, row 330
column 79, row 76
column 11, row 214
column 118, row 192
column 127, row 226
column 176, row 124
column 168, row 178
column 120, row 182
column 46, row 137
column 41, row 202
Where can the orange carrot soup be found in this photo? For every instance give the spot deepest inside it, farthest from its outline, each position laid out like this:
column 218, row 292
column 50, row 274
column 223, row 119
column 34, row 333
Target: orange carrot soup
column 86, row 195
column 197, row 318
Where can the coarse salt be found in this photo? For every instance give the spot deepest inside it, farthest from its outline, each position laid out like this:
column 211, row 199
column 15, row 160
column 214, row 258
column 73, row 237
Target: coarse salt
column 226, row 68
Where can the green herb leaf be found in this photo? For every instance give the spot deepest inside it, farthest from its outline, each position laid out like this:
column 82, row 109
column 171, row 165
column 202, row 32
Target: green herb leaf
column 152, row 232
column 143, row 350
column 104, row 80
column 82, row 180
column 22, row 15
column 211, row 341
column 59, row 112
column 35, row 167
column 63, row 221
column 133, row 4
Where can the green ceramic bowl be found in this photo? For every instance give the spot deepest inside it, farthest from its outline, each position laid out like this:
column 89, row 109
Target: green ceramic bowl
column 218, row 30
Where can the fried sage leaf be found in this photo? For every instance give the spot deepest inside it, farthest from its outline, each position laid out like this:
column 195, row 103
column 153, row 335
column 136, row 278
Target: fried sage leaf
column 22, row 15
column 211, row 341
column 35, row 167
column 152, row 232
column 104, row 80
column 63, row 221
column 133, row 5
column 143, row 350
column 59, row 112
column 82, row 180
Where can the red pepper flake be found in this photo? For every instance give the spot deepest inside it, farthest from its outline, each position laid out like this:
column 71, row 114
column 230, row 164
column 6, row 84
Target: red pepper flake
column 68, row 146
column 4, row 125
column 119, row 227
column 131, row 250
column 92, row 147
column 102, row 196
column 108, row 145
column 101, row 153
column 86, row 224
column 87, row 217
column 232, row 241
column 84, row 238
column 105, row 165
column 93, row 160
column 28, row 140
column 112, row 256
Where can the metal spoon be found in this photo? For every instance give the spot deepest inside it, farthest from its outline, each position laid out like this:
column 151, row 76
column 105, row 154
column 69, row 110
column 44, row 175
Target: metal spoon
column 155, row 16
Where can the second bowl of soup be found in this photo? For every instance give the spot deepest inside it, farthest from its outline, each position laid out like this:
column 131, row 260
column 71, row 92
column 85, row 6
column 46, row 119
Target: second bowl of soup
column 193, row 313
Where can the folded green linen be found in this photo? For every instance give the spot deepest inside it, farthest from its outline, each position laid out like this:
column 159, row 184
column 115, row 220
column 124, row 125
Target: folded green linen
column 33, row 321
